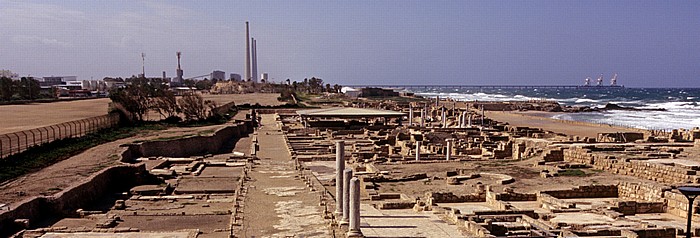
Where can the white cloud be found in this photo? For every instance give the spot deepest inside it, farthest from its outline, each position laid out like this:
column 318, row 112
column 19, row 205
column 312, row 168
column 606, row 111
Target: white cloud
column 34, row 40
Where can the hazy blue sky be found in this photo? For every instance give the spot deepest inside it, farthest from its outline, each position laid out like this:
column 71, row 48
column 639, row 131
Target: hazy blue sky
column 648, row 43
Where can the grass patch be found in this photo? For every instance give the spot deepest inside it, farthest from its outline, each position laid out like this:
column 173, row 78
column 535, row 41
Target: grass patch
column 573, row 173
column 39, row 157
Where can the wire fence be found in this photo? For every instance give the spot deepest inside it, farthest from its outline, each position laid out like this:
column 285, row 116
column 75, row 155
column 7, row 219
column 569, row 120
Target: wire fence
column 16, row 142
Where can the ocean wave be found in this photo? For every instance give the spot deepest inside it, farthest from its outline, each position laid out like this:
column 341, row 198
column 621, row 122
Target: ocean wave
column 585, row 100
column 672, row 105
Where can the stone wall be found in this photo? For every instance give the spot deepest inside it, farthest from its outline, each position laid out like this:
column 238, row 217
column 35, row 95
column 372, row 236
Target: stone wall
column 552, row 203
column 637, row 168
column 475, row 229
column 66, row 202
column 642, row 191
column 677, row 204
column 649, row 233
column 589, row 191
column 638, row 207
column 437, row 197
column 195, row 145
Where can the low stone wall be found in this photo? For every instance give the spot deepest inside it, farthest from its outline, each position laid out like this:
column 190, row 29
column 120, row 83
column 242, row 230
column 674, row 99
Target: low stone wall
column 476, row 230
column 552, row 203
column 677, row 204
column 66, row 202
column 590, row 191
column 638, row 207
column 185, row 147
column 437, row 197
column 642, row 191
column 396, row 205
column 640, row 169
column 649, row 233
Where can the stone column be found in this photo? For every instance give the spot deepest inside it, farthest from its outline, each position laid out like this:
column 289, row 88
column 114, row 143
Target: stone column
column 339, row 166
column 448, row 153
column 437, row 101
column 422, row 118
column 483, row 116
column 470, row 120
column 410, row 116
column 347, row 175
column 459, row 120
column 464, row 119
column 418, row 150
column 444, row 118
column 354, row 229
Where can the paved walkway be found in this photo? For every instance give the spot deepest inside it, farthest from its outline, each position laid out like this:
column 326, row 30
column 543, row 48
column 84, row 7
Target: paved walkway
column 277, row 203
column 404, row 223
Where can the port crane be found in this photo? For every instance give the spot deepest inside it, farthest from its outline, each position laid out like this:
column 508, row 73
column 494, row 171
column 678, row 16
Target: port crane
column 613, row 80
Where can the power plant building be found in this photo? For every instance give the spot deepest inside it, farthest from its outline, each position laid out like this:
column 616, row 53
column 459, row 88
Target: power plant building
column 218, row 75
column 235, row 77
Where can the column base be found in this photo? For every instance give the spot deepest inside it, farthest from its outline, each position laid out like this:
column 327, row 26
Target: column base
column 354, row 234
column 344, row 223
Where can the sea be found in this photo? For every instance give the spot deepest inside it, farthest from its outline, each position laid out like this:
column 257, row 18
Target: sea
column 682, row 104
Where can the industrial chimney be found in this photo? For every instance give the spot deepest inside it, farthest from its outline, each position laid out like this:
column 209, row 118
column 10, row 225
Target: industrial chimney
column 247, row 53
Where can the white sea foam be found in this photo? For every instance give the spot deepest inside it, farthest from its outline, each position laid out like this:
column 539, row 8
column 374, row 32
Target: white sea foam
column 585, row 100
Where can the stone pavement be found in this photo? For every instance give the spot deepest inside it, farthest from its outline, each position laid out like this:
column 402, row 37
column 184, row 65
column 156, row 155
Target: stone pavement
column 404, row 223
column 278, row 203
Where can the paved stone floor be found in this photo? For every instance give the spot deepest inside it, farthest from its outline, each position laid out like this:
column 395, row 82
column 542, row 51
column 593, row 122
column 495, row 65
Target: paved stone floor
column 278, row 204
column 404, row 223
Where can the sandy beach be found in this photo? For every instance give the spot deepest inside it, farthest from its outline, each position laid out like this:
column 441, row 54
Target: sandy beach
column 545, row 121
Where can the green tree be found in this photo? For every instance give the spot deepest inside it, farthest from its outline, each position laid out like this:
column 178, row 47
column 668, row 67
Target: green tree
column 134, row 98
column 193, row 107
column 6, row 91
column 165, row 104
column 28, row 88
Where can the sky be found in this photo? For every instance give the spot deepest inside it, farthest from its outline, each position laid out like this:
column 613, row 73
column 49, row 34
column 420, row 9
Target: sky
column 647, row 43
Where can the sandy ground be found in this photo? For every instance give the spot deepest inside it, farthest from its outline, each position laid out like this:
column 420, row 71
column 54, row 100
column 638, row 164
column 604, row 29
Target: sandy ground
column 541, row 120
column 29, row 116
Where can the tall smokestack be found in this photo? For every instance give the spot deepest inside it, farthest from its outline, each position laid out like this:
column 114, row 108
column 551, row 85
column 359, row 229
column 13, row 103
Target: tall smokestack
column 255, row 60
column 247, row 53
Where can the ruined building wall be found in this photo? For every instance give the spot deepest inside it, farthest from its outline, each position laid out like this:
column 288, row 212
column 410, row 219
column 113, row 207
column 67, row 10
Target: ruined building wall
column 590, row 191
column 640, row 169
column 185, row 147
column 66, row 202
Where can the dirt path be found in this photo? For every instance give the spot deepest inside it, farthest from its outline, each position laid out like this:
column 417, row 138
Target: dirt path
column 277, row 203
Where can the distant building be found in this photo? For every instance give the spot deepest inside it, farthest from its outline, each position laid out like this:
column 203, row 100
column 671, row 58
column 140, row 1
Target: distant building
column 264, row 78
column 379, row 92
column 57, row 80
column 351, row 92
column 235, row 77
column 218, row 75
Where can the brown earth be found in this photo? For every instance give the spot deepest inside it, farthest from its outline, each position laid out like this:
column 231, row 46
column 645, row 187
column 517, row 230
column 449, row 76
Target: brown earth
column 63, row 174
column 16, row 118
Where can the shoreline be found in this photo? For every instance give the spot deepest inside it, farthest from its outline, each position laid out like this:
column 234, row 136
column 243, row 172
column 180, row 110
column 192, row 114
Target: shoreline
column 544, row 120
